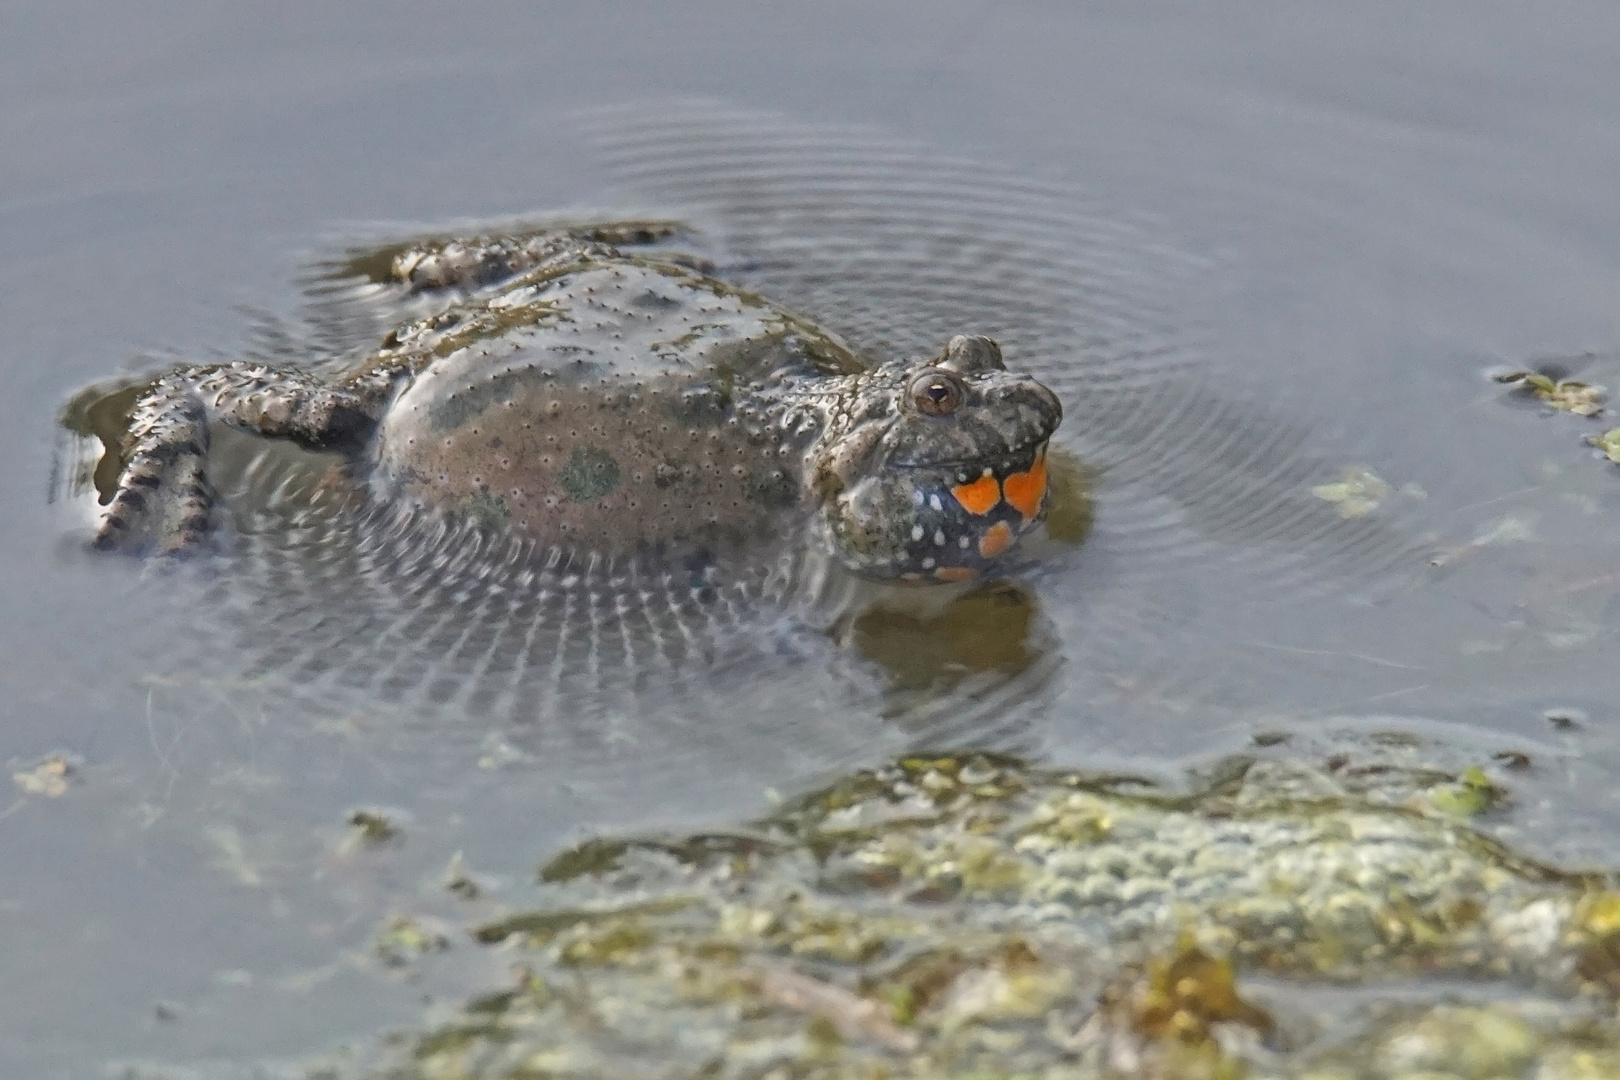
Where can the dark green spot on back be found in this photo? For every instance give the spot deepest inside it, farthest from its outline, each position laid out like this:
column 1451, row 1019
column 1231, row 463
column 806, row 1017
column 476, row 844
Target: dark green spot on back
column 589, row 474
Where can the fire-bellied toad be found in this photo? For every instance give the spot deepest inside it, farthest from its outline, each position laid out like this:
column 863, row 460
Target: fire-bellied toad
column 577, row 391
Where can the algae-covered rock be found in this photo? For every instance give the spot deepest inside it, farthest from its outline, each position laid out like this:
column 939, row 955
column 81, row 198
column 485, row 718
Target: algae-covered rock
column 973, row 916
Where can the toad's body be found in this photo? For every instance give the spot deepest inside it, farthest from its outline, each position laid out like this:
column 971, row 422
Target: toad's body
column 620, row 399
column 579, row 394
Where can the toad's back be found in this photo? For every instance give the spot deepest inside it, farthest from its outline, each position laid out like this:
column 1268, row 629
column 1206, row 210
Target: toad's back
column 615, row 404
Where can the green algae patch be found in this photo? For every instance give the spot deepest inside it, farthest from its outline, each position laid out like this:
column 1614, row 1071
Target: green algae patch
column 1565, row 395
column 974, row 916
column 1608, row 442
column 405, row 939
column 600, row 854
column 1471, row 794
column 589, row 857
column 1188, row 992
column 1357, row 492
column 589, row 474
column 542, row 927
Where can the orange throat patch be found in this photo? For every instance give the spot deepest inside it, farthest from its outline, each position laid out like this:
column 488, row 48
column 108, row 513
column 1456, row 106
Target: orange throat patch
column 980, row 497
column 1024, row 491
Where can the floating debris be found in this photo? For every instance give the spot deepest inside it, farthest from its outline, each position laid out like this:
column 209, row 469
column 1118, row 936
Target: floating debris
column 1357, row 494
column 1566, row 719
column 1512, row 529
column 234, row 855
column 1608, row 442
column 50, row 776
column 405, row 939
column 373, row 827
column 460, row 880
column 1566, row 395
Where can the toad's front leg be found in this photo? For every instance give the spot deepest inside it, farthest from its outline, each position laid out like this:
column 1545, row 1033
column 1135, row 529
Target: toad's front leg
column 163, row 496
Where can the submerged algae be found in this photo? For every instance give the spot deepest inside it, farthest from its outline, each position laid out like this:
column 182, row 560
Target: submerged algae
column 973, row 916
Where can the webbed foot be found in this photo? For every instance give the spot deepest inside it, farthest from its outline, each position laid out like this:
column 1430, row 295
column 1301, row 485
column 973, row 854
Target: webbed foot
column 163, row 500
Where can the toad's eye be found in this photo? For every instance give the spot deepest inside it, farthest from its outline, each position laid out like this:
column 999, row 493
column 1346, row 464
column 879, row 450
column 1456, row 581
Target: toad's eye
column 937, row 393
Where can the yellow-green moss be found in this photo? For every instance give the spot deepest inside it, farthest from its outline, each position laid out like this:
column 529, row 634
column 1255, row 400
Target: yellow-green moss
column 973, row 916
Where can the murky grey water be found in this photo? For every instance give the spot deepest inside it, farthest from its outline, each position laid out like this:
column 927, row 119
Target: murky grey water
column 1339, row 220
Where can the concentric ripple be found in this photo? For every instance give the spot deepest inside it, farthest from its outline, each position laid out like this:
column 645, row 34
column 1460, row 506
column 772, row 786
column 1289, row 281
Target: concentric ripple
column 896, row 248
column 754, row 668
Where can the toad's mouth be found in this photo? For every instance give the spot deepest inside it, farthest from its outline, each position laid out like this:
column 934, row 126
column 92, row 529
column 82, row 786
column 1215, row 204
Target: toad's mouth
column 940, row 524
column 1000, row 463
column 1023, row 489
column 966, row 519
column 1017, row 480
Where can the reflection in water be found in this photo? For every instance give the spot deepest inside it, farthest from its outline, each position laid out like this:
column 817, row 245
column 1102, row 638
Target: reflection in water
column 986, row 630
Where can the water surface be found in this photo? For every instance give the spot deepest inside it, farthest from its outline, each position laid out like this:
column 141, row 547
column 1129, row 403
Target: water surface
column 1335, row 220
